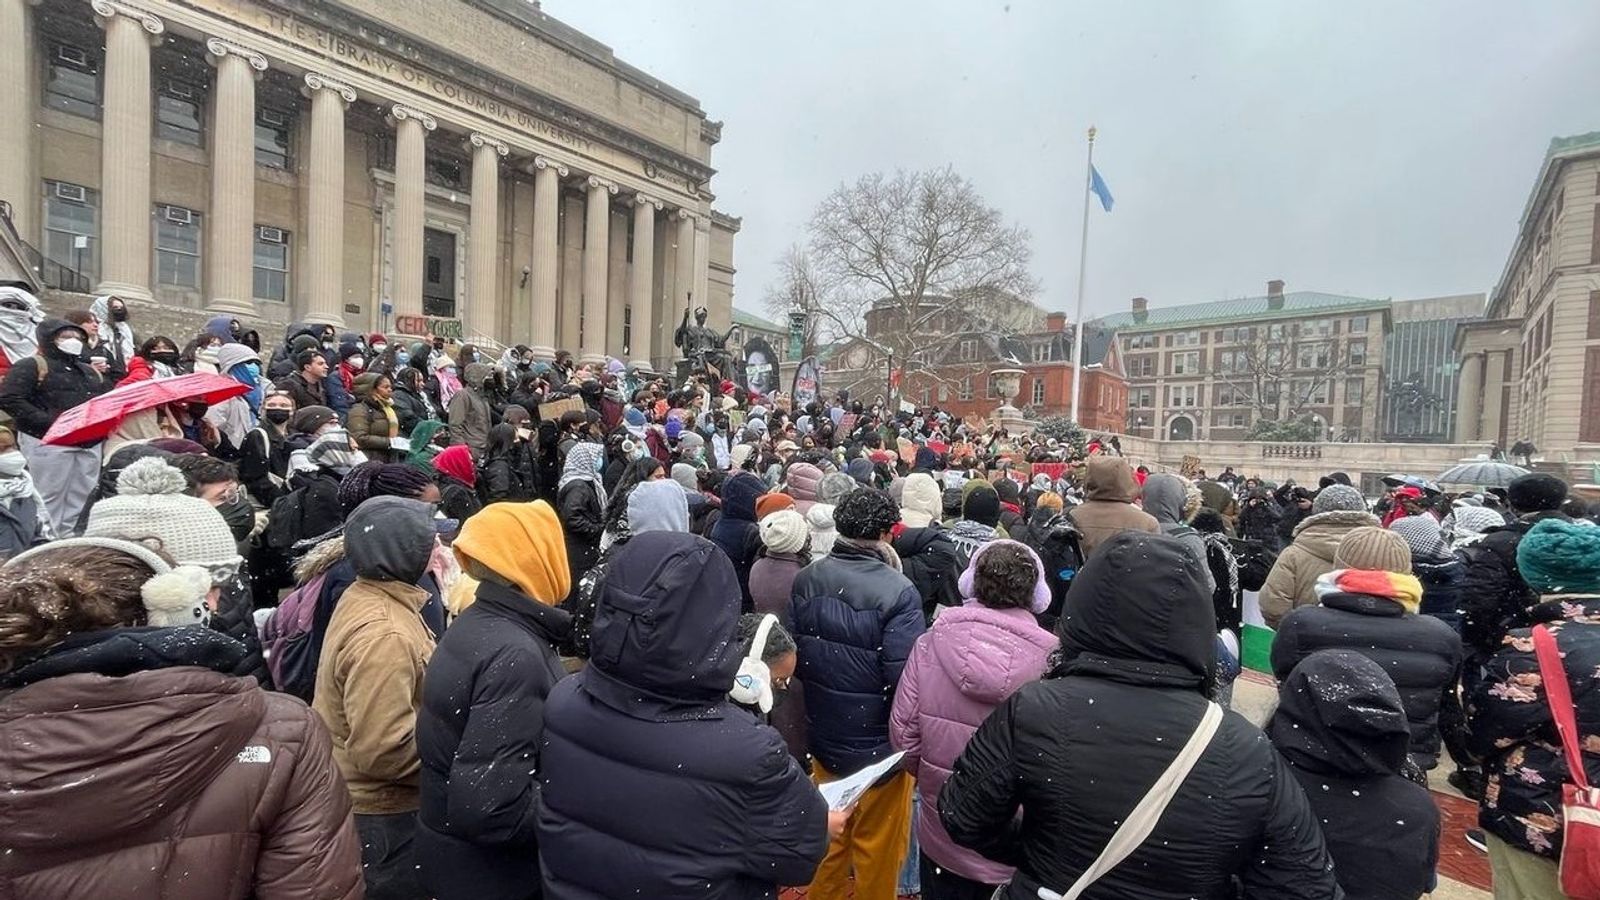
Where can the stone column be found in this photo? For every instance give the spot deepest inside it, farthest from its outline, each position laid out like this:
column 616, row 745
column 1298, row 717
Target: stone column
column 616, row 282
column 546, row 263
column 1494, row 407
column 641, row 278
column 410, row 178
column 683, row 282
column 482, row 285
column 125, row 149
column 230, row 258
column 325, row 200
column 1469, row 397
column 597, row 230
column 17, row 184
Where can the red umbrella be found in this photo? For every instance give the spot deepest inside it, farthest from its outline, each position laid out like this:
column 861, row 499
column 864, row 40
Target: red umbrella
column 97, row 417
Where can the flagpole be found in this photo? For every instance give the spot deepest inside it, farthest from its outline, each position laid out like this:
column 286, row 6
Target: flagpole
column 1083, row 262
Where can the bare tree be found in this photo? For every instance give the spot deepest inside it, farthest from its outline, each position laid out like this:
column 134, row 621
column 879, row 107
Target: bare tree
column 1282, row 379
column 800, row 288
column 923, row 253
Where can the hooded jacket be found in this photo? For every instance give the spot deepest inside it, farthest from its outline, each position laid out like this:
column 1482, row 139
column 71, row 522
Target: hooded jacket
column 1164, row 498
column 1109, row 491
column 369, row 421
column 1137, row 633
column 819, row 518
column 802, row 480
column 1421, row 654
column 469, row 413
column 1051, row 535
column 1342, row 728
column 139, row 765
column 736, row 531
column 972, row 658
column 34, row 398
column 1494, row 598
column 933, row 563
column 1293, row 578
column 854, row 620
column 369, row 673
column 921, row 501
column 645, row 736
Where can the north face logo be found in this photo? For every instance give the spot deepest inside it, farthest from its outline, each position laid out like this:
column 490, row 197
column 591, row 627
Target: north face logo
column 254, row 754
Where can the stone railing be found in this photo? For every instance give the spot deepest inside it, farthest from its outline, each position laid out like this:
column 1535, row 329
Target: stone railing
column 1291, row 451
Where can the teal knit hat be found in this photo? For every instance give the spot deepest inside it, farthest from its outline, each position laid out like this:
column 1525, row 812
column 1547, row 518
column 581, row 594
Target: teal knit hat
column 1557, row 557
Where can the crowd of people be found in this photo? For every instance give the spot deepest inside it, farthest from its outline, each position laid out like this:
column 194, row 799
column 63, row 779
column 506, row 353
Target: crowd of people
column 407, row 619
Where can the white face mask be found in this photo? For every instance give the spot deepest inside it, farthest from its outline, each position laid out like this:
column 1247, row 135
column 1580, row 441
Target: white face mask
column 356, row 363
column 69, row 346
column 379, row 348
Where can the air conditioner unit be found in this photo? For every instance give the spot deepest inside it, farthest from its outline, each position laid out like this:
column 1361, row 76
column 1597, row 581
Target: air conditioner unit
column 73, row 55
column 270, row 235
column 180, row 90
column 179, row 215
column 273, row 117
column 72, row 192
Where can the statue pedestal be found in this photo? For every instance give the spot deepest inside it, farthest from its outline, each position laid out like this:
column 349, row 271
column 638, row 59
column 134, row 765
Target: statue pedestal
column 1007, row 383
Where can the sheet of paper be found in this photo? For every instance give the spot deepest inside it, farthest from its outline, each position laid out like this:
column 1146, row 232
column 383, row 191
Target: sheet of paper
column 843, row 794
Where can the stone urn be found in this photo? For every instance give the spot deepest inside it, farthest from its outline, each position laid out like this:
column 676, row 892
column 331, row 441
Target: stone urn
column 1007, row 382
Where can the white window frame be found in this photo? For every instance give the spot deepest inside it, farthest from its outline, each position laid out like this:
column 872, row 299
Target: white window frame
column 166, row 216
column 967, row 350
column 262, row 235
column 65, row 237
column 1038, row 391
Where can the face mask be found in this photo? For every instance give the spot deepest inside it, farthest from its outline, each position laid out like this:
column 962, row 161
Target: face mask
column 254, row 369
column 166, row 357
column 402, row 357
column 278, row 416
column 327, row 345
column 119, row 315
column 379, row 348
column 356, row 362
column 69, row 346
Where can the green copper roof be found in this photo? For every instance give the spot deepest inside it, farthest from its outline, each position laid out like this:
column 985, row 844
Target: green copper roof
column 1296, row 304
column 1573, row 142
column 755, row 322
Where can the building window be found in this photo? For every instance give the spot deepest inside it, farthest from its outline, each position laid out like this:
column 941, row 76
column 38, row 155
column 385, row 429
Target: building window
column 1234, row 420
column 1275, row 332
column 1312, row 393
column 1142, row 366
column 1183, row 395
column 72, row 84
column 1355, row 392
column 177, row 247
column 443, row 171
column 1038, row 392
column 1187, row 363
column 1041, row 352
column 1358, row 324
column 178, row 111
column 271, row 264
column 274, row 136
column 1239, row 335
column 1313, row 356
column 965, row 393
column 438, row 273
column 1358, row 353
column 1186, row 339
column 1142, row 398
column 627, row 329
column 72, row 227
column 944, row 393
column 1141, row 342
column 968, row 351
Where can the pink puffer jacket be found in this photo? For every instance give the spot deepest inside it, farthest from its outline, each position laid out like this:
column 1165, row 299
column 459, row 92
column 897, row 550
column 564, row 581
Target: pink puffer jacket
column 971, row 659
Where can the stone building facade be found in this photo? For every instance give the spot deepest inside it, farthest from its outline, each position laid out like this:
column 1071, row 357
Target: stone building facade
column 1531, row 369
column 1208, row 371
column 1420, row 367
column 470, row 167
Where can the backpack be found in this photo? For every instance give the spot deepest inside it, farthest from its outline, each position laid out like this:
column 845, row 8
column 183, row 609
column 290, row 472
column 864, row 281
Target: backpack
column 1255, row 561
column 287, row 640
column 284, row 520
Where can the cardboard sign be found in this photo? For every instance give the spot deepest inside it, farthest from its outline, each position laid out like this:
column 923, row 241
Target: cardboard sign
column 1190, row 467
column 1053, row 469
column 555, row 409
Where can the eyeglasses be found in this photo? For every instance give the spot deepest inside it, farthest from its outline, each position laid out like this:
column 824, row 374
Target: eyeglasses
column 227, row 497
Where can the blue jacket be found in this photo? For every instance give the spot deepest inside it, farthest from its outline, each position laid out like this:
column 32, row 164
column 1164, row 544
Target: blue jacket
column 736, row 531
column 654, row 784
column 854, row 620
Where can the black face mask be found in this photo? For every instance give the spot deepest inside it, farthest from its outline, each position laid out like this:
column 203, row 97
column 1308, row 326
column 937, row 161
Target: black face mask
column 277, row 416
column 167, row 357
column 119, row 315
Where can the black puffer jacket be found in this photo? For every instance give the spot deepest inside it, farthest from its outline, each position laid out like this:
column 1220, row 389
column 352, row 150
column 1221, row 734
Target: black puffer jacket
column 1259, row 521
column 1421, row 654
column 1052, row 536
column 478, row 734
column 1138, row 634
column 1494, row 598
column 35, row 401
column 930, row 559
column 654, row 784
column 1511, row 726
column 1342, row 729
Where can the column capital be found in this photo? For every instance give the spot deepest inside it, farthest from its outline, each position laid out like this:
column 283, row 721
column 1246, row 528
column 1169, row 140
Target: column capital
column 596, row 182
column 217, row 48
column 643, row 199
column 684, row 214
column 479, row 139
column 316, row 81
column 400, row 113
column 106, row 10
column 545, row 162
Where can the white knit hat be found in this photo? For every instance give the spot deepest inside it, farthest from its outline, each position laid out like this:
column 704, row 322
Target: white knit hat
column 151, row 506
column 173, row 596
column 784, row 531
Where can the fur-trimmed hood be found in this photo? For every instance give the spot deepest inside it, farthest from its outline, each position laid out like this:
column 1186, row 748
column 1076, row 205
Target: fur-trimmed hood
column 319, row 559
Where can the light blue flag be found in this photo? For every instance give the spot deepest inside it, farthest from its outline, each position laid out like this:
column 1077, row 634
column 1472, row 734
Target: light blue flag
column 1098, row 185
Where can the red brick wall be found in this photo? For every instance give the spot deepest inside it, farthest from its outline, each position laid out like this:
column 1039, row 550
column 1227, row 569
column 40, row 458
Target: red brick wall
column 1103, row 404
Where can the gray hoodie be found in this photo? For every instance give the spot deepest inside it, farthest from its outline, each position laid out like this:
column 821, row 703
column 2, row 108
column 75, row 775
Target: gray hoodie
column 658, row 506
column 1164, row 497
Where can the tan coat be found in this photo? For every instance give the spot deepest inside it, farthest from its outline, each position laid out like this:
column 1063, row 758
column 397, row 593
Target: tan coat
column 1109, row 489
column 1292, row 579
column 369, row 688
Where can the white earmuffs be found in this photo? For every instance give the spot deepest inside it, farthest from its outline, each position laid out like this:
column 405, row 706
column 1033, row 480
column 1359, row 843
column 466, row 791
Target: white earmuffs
column 753, row 685
column 172, row 596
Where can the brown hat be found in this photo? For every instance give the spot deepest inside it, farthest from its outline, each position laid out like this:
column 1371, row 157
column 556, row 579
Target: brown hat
column 1373, row 549
column 768, row 504
column 1049, row 500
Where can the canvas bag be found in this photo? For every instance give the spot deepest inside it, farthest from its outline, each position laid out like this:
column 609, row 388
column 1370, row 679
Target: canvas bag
column 1580, row 803
column 1146, row 813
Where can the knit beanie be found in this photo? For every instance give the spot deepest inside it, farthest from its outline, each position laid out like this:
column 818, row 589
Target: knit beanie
column 1423, row 535
column 834, row 486
column 767, row 504
column 1557, row 557
column 865, row 514
column 1008, row 490
column 687, row 477
column 1372, row 548
column 522, row 543
column 308, row 419
column 982, row 505
column 1337, row 497
column 1049, row 500
column 927, row 458
column 151, row 504
column 1537, row 492
column 785, row 531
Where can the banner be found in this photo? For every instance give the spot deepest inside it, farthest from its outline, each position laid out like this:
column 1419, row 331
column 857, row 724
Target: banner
column 807, row 383
column 760, row 367
column 1054, row 469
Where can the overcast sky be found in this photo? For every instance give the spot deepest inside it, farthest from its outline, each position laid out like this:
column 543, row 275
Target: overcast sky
column 1368, row 148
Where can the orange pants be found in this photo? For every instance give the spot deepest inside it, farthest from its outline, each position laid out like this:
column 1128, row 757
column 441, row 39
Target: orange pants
column 873, row 844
